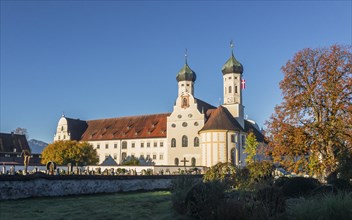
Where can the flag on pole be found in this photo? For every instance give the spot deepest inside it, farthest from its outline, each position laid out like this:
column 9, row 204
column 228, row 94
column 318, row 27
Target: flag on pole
column 243, row 84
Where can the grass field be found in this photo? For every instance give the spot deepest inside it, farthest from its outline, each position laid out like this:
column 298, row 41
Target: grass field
column 143, row 205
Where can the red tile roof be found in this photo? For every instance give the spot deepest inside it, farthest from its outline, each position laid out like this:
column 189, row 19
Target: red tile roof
column 221, row 119
column 132, row 127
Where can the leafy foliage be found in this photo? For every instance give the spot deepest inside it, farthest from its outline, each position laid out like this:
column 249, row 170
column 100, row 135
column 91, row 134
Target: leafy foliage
column 271, row 199
column 64, row 152
column 203, row 199
column 260, row 170
column 251, row 148
column 130, row 161
column 299, row 186
column 311, row 129
column 180, row 187
column 220, row 172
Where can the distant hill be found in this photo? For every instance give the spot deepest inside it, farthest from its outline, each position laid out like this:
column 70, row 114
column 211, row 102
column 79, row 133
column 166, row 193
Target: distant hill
column 36, row 146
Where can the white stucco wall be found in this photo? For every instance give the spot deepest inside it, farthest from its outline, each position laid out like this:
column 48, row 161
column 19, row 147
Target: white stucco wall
column 184, row 121
column 157, row 149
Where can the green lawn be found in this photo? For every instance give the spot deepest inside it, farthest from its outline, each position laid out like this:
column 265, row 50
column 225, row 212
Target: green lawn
column 145, row 205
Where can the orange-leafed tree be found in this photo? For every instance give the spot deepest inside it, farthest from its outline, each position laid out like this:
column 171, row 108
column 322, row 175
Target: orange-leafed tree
column 311, row 130
column 64, row 152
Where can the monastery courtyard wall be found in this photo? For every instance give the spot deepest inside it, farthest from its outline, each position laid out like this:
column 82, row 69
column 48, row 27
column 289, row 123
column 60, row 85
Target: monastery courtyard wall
column 18, row 187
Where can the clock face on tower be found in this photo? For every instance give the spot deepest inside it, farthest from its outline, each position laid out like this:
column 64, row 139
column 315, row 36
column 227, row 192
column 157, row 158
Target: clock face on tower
column 230, row 100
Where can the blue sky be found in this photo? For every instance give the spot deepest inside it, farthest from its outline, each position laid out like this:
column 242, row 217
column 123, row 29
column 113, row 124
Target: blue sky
column 103, row 59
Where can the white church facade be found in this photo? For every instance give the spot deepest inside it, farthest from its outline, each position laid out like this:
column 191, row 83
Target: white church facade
column 195, row 133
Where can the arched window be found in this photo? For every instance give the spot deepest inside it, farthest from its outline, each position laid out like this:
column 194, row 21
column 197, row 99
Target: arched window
column 176, row 161
column 193, row 162
column 196, row 142
column 124, row 155
column 124, row 144
column 184, row 141
column 62, row 128
column 230, row 89
column 173, row 142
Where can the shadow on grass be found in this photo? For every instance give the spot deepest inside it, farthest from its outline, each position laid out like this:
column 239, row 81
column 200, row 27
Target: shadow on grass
column 140, row 205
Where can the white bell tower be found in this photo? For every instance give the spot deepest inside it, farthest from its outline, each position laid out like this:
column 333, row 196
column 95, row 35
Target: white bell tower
column 232, row 75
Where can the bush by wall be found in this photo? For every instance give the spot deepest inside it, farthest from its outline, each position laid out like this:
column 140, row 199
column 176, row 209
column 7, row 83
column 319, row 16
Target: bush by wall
column 203, row 199
column 180, row 186
column 299, row 186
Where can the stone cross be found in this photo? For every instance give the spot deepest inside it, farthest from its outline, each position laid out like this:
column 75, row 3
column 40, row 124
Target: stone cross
column 184, row 161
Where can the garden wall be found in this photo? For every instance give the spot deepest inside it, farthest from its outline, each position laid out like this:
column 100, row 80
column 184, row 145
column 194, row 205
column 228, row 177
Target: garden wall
column 16, row 187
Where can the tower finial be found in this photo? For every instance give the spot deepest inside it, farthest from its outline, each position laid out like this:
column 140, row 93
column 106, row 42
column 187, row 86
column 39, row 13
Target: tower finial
column 231, row 45
column 186, row 55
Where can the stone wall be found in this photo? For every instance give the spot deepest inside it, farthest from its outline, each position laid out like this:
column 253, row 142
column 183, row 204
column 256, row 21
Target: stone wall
column 17, row 187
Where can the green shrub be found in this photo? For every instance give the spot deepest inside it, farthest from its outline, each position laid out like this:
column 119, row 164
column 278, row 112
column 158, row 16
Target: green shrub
column 342, row 185
column 222, row 172
column 272, row 200
column 180, row 186
column 323, row 190
column 229, row 209
column 261, row 170
column 279, row 182
column 202, row 200
column 242, row 178
column 327, row 207
column 299, row 186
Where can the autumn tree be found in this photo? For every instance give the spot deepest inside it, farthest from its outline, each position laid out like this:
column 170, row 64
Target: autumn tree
column 311, row 129
column 64, row 152
column 251, row 148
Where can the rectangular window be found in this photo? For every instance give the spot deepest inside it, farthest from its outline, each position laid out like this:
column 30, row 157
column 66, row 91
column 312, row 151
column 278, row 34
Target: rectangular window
column 161, row 144
column 148, row 144
column 115, row 156
column 106, row 146
column 154, row 156
column 161, row 157
column 243, row 140
column 115, row 146
column 98, row 146
column 233, row 139
column 155, row 144
column 142, row 145
column 133, row 145
column 148, row 156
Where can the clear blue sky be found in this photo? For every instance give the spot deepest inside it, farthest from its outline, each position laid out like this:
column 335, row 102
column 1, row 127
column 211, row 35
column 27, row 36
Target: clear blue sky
column 103, row 59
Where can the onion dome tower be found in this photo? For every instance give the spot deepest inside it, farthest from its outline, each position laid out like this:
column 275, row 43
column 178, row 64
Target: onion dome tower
column 232, row 75
column 186, row 78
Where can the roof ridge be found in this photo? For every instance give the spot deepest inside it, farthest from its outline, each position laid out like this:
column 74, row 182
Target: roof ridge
column 132, row 116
